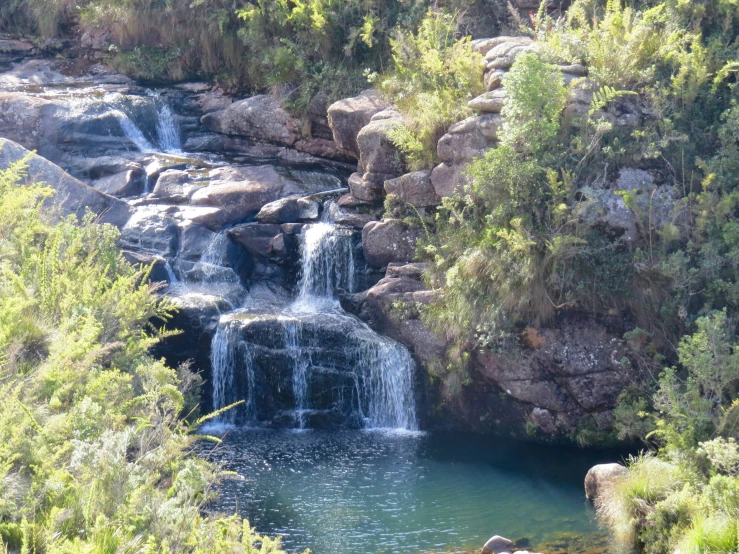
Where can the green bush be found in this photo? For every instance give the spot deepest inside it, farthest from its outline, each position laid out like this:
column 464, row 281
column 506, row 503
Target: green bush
column 93, row 438
column 434, row 75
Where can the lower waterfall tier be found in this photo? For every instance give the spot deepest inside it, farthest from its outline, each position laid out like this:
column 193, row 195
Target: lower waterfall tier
column 310, row 369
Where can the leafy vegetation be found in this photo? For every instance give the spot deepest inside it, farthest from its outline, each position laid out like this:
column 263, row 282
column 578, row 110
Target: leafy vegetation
column 434, row 75
column 94, row 432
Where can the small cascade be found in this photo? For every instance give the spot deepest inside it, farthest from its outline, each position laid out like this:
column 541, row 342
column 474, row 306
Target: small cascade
column 300, row 363
column 328, row 263
column 132, row 132
column 168, row 132
column 171, row 277
column 228, row 355
column 386, row 397
column 214, row 262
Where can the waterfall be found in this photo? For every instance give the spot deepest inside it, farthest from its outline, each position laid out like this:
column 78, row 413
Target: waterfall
column 334, row 363
column 167, row 130
column 173, row 280
column 226, row 353
column 213, row 262
column 300, row 363
column 327, row 259
column 132, row 132
column 386, row 397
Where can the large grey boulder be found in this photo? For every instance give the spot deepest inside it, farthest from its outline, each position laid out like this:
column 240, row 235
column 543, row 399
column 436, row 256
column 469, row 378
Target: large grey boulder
column 261, row 117
column 256, row 238
column 347, row 117
column 389, row 240
column 600, row 477
column 239, row 192
column 414, row 188
column 72, row 195
column 24, row 118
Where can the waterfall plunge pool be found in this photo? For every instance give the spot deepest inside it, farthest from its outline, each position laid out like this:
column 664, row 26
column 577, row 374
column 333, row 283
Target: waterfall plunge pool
column 372, row 492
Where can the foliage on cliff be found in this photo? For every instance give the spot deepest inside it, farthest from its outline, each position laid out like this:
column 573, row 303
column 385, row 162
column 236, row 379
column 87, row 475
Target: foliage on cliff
column 517, row 246
column 434, row 75
column 93, row 440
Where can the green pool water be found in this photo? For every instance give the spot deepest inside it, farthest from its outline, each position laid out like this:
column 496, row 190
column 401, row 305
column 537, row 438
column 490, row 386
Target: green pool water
column 365, row 492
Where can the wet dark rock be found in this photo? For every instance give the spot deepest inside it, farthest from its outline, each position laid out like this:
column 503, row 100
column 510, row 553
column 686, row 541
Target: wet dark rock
column 151, row 229
column 130, row 182
column 256, row 238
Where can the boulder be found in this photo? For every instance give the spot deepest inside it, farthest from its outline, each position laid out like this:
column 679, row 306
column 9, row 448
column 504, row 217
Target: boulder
column 239, row 192
column 489, row 102
column 318, row 115
column 378, row 154
column 351, row 217
column 347, row 117
column 170, row 186
column 256, row 238
column 469, row 138
column 261, row 117
column 448, row 179
column 158, row 271
column 152, row 229
column 368, row 187
column 496, row 545
column 600, row 477
column 285, row 210
column 24, row 119
column 130, row 182
column 72, row 195
column 414, row 188
column 389, row 240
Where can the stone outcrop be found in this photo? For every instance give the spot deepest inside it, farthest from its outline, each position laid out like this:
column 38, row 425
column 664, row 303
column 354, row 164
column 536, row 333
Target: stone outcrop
column 72, row 195
column 414, row 188
column 263, row 118
column 465, row 141
column 497, row 545
column 347, row 118
column 389, row 240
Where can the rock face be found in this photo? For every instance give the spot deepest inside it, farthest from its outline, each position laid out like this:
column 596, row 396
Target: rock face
column 263, row 117
column 465, row 141
column 347, row 118
column 72, row 196
column 601, row 476
column 414, row 188
column 389, row 240
column 22, row 118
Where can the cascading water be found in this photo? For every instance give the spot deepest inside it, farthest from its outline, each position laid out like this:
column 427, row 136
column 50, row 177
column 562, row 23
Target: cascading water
column 132, row 132
column 227, row 354
column 168, row 132
column 332, row 362
column 327, row 258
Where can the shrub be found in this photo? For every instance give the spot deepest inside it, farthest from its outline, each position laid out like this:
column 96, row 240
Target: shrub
column 93, row 441
column 434, row 75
